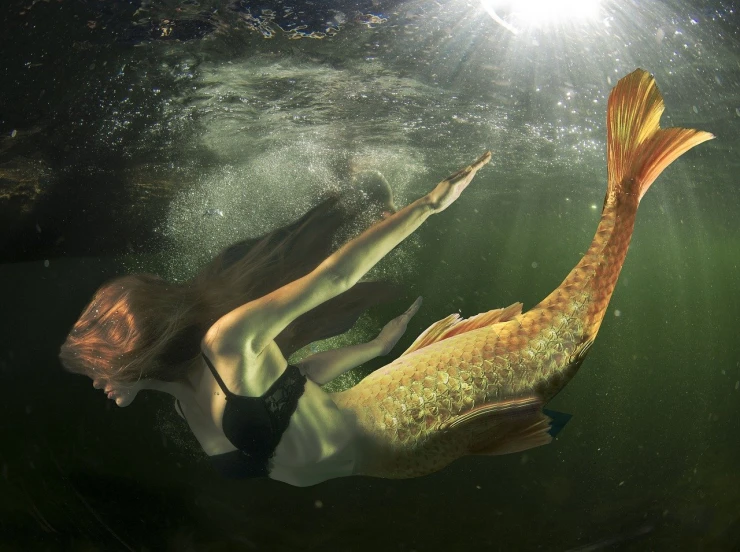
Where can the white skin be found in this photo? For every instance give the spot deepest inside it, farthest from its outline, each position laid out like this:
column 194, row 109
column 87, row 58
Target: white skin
column 122, row 393
column 270, row 314
column 248, row 332
column 242, row 348
column 320, row 367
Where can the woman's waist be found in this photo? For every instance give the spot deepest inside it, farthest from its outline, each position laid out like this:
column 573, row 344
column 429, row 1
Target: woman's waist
column 317, row 432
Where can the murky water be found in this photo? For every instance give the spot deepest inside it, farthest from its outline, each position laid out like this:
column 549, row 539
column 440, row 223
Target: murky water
column 130, row 147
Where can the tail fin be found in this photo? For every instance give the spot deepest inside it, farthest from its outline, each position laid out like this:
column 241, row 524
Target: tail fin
column 637, row 148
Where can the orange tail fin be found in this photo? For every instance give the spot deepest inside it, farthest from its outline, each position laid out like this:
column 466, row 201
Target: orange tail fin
column 637, row 148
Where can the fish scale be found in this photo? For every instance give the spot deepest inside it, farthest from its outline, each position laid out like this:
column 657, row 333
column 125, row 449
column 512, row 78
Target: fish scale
column 479, row 389
column 412, row 398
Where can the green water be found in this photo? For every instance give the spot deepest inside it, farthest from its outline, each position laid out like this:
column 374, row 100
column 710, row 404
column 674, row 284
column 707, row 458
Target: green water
column 122, row 142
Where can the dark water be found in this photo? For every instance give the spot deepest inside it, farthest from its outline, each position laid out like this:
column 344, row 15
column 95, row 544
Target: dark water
column 121, row 123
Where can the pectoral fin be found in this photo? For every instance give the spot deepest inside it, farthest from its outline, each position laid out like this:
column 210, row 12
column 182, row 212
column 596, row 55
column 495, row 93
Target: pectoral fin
column 504, row 427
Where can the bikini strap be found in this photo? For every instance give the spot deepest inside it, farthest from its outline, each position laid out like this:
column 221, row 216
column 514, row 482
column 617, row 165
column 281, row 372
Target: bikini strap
column 220, row 382
column 178, row 407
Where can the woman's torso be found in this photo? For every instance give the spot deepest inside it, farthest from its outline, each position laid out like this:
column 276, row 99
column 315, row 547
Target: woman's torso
column 318, row 443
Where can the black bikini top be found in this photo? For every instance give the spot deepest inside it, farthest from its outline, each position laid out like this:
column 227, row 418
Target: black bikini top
column 254, row 425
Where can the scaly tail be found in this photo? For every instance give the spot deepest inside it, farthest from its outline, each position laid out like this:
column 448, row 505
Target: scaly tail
column 638, row 149
column 477, row 386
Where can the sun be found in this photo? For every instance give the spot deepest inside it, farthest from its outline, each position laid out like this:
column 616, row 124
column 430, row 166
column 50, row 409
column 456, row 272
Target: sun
column 516, row 15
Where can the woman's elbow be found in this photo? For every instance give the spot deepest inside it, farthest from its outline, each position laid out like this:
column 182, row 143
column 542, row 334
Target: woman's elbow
column 335, row 280
column 310, row 370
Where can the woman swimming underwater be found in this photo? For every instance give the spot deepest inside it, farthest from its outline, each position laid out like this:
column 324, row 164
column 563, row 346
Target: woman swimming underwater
column 474, row 386
column 219, row 343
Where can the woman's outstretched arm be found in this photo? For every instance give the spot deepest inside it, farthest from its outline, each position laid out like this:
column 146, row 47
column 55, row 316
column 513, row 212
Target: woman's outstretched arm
column 249, row 328
column 323, row 367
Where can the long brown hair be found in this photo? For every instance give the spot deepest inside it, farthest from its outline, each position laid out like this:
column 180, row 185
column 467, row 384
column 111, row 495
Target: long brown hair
column 140, row 326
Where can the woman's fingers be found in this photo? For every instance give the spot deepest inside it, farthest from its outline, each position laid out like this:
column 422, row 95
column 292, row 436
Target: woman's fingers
column 482, row 160
column 414, row 308
column 473, row 168
column 451, row 187
column 393, row 330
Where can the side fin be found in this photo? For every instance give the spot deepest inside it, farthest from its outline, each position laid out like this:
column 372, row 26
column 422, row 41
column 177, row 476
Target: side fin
column 504, row 427
column 503, row 410
column 453, row 325
column 536, row 434
column 638, row 150
column 557, row 420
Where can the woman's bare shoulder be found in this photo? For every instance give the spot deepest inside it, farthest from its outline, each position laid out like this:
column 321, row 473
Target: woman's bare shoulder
column 242, row 371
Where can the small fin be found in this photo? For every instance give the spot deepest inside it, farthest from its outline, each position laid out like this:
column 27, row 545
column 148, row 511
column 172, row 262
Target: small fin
column 581, row 351
column 504, row 427
column 432, row 333
column 453, row 325
column 534, row 435
column 637, row 149
column 503, row 409
column 557, row 420
column 483, row 319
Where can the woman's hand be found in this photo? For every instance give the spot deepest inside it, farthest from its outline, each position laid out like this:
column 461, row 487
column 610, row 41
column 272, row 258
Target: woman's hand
column 451, row 187
column 393, row 330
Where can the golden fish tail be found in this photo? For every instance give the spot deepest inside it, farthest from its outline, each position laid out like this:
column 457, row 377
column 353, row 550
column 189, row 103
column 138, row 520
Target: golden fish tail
column 478, row 386
column 638, row 149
